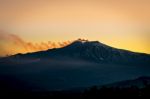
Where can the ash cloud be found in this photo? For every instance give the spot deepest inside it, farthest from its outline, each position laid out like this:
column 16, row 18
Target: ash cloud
column 12, row 44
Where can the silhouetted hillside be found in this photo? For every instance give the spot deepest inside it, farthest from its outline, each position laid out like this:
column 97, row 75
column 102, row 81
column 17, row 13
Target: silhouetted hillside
column 94, row 92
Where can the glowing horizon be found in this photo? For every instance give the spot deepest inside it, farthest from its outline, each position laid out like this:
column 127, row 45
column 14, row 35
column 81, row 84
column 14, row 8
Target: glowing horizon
column 118, row 23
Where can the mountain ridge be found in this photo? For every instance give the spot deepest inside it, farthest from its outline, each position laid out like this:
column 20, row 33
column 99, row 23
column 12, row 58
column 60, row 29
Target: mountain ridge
column 138, row 82
column 91, row 51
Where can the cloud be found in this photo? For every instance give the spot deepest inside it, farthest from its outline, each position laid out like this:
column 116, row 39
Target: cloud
column 12, row 44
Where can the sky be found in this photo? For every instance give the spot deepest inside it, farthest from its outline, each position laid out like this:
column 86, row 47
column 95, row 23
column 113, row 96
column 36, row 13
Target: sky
column 26, row 24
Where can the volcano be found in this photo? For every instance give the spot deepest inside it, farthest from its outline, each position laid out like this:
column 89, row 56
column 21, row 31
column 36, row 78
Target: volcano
column 81, row 64
column 90, row 51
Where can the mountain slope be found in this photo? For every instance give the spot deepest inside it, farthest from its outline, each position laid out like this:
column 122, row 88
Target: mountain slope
column 138, row 82
column 92, row 51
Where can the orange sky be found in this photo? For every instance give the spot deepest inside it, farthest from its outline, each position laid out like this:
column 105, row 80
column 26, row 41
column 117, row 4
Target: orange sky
column 119, row 23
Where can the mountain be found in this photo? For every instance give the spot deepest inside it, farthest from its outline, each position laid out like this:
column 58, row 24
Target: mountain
column 91, row 51
column 80, row 64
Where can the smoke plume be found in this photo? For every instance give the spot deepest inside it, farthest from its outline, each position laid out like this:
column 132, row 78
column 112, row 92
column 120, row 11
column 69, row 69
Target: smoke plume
column 12, row 44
